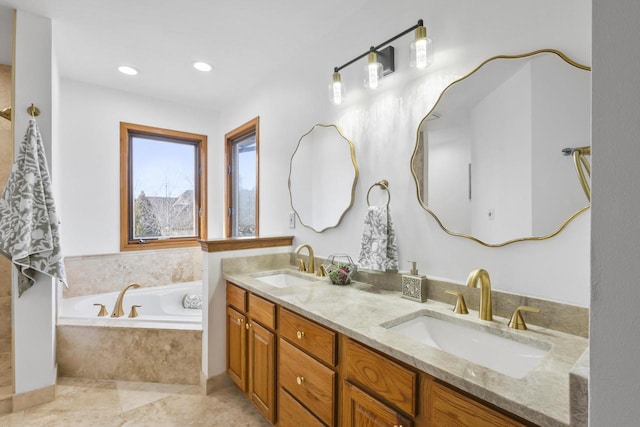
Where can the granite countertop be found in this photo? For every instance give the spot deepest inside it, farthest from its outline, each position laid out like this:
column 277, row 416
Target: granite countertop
column 359, row 309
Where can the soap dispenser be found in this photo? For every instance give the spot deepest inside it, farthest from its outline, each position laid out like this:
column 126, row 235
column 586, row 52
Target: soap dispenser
column 414, row 286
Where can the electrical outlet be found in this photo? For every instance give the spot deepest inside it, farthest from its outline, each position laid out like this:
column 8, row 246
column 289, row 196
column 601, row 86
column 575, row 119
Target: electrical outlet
column 292, row 220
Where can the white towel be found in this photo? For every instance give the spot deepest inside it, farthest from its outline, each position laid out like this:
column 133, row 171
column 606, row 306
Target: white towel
column 378, row 249
column 29, row 233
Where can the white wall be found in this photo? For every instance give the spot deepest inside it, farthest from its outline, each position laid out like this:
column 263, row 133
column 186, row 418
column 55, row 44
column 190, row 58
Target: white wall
column 615, row 292
column 33, row 312
column 89, row 154
column 562, row 114
column 383, row 127
column 501, row 169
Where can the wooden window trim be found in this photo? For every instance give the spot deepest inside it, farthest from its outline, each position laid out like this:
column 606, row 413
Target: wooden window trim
column 131, row 245
column 250, row 126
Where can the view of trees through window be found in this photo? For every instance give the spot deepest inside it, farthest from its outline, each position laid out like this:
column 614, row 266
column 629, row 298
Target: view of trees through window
column 163, row 180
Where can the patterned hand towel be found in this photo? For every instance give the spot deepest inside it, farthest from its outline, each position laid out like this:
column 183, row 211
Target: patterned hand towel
column 29, row 233
column 378, row 249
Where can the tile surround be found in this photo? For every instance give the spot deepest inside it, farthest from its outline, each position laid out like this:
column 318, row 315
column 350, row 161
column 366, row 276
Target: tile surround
column 95, row 274
column 130, row 354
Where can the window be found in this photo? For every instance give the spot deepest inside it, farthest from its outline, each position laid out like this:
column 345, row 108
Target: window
column 162, row 188
column 242, row 162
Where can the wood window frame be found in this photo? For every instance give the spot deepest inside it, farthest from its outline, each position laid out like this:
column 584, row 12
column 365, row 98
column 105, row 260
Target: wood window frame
column 252, row 125
column 126, row 188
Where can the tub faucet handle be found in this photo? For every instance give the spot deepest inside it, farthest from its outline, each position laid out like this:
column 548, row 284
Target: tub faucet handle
column 103, row 310
column 134, row 312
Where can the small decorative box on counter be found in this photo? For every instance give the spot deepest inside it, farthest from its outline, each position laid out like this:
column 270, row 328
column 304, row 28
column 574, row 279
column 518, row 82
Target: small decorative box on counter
column 339, row 268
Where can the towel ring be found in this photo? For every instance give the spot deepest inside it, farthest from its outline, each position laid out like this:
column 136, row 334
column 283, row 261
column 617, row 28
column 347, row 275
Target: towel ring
column 384, row 184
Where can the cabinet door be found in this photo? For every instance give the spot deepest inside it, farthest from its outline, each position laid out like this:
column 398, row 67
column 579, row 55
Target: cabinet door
column 362, row 410
column 237, row 348
column 292, row 414
column 262, row 351
column 451, row 408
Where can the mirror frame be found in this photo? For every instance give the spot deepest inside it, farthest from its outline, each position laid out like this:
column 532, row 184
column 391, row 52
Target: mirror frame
column 353, row 186
column 417, row 149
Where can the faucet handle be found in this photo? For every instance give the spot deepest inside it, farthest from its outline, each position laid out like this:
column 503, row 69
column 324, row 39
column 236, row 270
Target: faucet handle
column 134, row 312
column 103, row 310
column 301, row 266
column 517, row 321
column 461, row 307
column 322, row 272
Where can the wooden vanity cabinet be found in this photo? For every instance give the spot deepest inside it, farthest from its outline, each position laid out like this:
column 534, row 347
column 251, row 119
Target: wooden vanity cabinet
column 450, row 407
column 327, row 379
column 251, row 347
column 306, row 371
column 376, row 389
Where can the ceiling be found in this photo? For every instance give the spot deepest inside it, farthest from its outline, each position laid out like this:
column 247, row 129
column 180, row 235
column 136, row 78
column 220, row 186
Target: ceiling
column 244, row 40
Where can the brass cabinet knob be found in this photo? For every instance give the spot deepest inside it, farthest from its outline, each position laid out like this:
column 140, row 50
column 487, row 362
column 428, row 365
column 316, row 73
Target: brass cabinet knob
column 461, row 307
column 240, row 320
column 300, row 335
column 517, row 321
column 299, row 380
column 247, row 326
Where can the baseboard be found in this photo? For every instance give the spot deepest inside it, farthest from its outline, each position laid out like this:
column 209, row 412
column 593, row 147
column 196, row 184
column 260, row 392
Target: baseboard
column 209, row 385
column 6, row 404
column 34, row 398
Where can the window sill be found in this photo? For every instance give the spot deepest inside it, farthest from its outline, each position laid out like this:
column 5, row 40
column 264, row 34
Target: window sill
column 239, row 243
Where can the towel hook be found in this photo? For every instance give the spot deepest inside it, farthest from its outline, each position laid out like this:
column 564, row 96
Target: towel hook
column 33, row 110
column 384, row 184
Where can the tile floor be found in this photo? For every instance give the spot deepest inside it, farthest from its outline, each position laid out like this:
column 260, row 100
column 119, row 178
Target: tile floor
column 98, row 403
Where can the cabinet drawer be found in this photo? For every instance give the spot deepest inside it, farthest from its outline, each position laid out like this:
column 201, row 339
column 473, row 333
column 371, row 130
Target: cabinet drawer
column 453, row 408
column 308, row 335
column 236, row 297
column 382, row 376
column 360, row 409
column 308, row 380
column 292, row 414
column 262, row 311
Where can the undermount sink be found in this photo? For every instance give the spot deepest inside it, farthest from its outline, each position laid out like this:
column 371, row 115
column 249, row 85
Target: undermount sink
column 283, row 279
column 474, row 343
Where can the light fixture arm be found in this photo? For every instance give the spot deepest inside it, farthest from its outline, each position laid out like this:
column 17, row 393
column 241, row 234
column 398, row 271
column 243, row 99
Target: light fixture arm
column 378, row 47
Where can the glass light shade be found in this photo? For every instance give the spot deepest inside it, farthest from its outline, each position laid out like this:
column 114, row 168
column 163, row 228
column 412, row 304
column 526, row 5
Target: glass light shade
column 336, row 89
column 372, row 71
column 421, row 49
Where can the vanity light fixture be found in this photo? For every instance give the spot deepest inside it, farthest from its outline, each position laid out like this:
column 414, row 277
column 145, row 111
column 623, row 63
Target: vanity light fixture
column 202, row 66
column 373, row 70
column 421, row 49
column 129, row 71
column 336, row 88
column 381, row 61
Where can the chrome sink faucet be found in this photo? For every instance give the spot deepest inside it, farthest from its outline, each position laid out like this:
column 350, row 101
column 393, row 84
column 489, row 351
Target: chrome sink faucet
column 486, row 312
column 311, row 267
column 117, row 310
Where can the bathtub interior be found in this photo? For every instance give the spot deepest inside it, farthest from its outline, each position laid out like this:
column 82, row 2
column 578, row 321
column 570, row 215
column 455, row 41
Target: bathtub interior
column 157, row 303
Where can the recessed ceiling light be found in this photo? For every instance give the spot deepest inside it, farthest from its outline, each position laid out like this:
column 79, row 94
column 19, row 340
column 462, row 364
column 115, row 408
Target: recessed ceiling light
column 201, row 66
column 129, row 71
